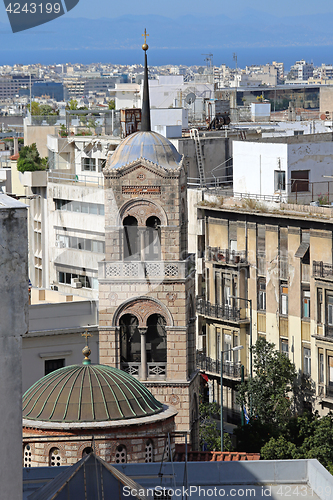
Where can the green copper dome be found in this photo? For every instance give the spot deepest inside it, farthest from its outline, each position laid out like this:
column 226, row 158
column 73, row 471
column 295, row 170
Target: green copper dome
column 88, row 393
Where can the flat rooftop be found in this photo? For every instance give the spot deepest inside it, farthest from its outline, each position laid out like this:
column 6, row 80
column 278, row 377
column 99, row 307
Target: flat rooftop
column 275, row 480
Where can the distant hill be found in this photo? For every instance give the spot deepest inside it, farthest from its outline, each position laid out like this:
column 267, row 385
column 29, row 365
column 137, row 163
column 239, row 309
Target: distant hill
column 251, row 29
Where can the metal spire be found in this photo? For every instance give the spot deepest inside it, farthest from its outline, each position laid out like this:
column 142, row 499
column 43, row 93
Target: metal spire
column 145, row 111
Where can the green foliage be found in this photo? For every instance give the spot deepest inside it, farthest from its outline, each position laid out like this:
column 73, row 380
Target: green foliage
column 323, row 199
column 42, row 109
column 72, row 105
column 305, row 436
column 29, row 159
column 112, row 104
column 269, row 392
column 209, row 432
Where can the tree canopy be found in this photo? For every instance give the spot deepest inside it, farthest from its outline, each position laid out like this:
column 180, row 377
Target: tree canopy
column 30, row 160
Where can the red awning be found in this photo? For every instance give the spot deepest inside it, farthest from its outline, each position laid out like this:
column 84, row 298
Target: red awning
column 204, row 376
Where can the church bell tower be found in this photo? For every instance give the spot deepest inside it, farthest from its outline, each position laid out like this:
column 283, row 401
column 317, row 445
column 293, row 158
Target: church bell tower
column 146, row 283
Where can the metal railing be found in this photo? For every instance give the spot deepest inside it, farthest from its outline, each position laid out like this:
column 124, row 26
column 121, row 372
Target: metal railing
column 321, row 269
column 224, row 312
column 68, row 177
column 225, row 256
column 230, row 368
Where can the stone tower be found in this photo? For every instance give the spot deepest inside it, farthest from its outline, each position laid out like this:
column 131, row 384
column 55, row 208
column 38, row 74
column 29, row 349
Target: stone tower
column 146, row 283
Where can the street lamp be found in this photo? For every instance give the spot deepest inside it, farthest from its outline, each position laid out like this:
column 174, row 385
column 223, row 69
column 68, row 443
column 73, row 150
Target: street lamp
column 237, row 348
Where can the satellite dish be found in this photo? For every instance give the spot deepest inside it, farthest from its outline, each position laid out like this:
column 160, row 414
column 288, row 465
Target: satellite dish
column 323, row 117
column 98, row 130
column 201, row 70
column 190, row 98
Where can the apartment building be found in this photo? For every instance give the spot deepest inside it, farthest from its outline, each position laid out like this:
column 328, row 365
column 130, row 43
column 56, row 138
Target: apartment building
column 265, row 271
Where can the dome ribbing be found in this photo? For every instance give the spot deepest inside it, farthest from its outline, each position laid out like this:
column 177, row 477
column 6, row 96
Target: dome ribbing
column 88, row 393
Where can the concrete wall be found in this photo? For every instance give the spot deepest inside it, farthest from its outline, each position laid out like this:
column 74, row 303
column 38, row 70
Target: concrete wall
column 13, row 325
column 254, row 165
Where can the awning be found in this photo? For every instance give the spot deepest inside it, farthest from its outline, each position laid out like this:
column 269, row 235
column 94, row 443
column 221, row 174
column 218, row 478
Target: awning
column 204, row 376
column 302, row 249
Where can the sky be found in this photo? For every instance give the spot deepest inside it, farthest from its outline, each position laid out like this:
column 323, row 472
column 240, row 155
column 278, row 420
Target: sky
column 175, row 8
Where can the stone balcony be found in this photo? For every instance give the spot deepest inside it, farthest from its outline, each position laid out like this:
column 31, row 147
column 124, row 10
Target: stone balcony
column 155, row 371
column 147, row 270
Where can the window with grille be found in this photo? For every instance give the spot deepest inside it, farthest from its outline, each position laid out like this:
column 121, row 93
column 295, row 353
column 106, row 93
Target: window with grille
column 121, row 454
column 54, row 457
column 149, row 452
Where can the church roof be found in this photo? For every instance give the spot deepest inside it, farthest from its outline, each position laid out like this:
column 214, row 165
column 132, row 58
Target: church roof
column 148, row 145
column 88, row 393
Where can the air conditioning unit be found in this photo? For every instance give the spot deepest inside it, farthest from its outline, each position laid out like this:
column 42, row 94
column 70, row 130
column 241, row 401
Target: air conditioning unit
column 76, row 283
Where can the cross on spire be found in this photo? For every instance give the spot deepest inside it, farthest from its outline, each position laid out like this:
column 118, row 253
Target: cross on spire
column 145, row 35
column 86, row 335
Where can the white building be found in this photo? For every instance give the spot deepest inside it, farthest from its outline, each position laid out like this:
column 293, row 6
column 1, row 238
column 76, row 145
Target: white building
column 54, row 338
column 291, row 167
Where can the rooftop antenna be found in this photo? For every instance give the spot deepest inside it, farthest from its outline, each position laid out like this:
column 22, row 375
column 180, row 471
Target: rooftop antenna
column 209, row 63
column 145, row 110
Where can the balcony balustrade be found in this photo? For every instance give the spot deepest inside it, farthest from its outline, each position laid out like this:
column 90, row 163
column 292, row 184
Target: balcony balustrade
column 225, row 312
column 145, row 270
column 322, row 270
column 230, row 369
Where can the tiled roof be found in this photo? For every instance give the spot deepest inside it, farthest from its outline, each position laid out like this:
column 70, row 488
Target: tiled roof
column 215, row 456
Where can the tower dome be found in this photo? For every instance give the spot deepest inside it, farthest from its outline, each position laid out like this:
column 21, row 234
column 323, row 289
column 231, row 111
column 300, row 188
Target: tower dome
column 86, row 394
column 145, row 145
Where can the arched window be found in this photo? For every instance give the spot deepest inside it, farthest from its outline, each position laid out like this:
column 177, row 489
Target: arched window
column 149, row 451
column 153, row 239
column 121, row 454
column 54, row 457
column 87, row 451
column 131, row 238
column 156, row 341
column 130, row 340
column 27, row 456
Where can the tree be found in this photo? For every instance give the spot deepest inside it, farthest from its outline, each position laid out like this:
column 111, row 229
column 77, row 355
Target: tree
column 209, row 433
column 305, row 436
column 29, row 159
column 270, row 391
column 72, row 105
column 112, row 104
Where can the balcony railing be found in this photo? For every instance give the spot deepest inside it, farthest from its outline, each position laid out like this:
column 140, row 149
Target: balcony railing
column 230, row 369
column 154, row 370
column 225, row 312
column 145, row 270
column 322, row 270
column 223, row 256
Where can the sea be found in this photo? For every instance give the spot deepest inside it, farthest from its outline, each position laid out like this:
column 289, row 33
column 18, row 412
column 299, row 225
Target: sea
column 173, row 56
